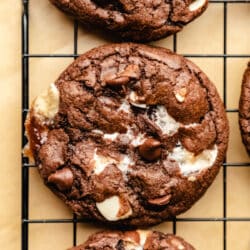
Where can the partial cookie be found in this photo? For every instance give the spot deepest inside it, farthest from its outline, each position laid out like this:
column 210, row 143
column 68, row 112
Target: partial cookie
column 136, row 20
column 244, row 109
column 129, row 134
column 134, row 240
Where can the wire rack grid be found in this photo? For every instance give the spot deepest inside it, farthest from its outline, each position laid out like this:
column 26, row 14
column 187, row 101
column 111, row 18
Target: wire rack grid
column 25, row 221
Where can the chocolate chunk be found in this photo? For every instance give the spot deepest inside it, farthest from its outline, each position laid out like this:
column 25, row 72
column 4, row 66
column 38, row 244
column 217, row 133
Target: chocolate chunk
column 117, row 81
column 198, row 137
column 150, row 149
column 53, row 152
column 131, row 71
column 164, row 200
column 62, row 178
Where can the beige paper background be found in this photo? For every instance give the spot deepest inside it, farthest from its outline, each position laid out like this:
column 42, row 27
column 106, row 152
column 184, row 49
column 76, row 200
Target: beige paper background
column 51, row 32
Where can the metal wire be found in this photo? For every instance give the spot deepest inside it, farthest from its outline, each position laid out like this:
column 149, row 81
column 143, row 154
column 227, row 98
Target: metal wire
column 225, row 104
column 25, row 108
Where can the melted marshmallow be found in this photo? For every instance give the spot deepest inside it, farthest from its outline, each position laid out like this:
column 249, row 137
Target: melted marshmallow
column 46, row 105
column 196, row 4
column 133, row 245
column 135, row 140
column 190, row 163
column 125, row 106
column 111, row 137
column 138, row 140
column 124, row 163
column 110, row 207
column 165, row 122
column 97, row 131
column 143, row 236
column 101, row 162
column 192, row 125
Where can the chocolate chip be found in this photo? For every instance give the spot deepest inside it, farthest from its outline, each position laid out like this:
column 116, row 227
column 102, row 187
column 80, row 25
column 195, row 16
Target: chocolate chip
column 161, row 201
column 150, row 149
column 131, row 71
column 62, row 178
column 117, row 81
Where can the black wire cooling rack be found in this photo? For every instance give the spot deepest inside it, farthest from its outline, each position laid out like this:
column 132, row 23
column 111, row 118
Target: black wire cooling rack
column 25, row 106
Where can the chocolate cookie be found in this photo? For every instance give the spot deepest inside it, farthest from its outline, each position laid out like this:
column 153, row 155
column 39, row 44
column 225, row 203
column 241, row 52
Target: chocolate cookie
column 137, row 20
column 129, row 134
column 244, row 109
column 134, row 240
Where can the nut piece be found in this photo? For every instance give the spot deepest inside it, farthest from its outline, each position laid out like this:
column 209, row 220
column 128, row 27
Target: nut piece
column 150, row 149
column 131, row 71
column 164, row 200
column 181, row 94
column 117, row 81
column 62, row 178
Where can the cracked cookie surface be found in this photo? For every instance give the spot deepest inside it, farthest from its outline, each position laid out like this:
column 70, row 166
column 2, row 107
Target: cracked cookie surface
column 134, row 240
column 129, row 134
column 244, row 109
column 136, row 20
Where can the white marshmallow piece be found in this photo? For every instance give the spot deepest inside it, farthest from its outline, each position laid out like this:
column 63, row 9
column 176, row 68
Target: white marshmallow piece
column 124, row 163
column 134, row 246
column 135, row 140
column 189, row 163
column 165, row 122
column 97, row 131
column 196, row 4
column 138, row 140
column 101, row 162
column 111, row 137
column 47, row 105
column 124, row 106
column 192, row 125
column 143, row 236
column 181, row 247
column 110, row 207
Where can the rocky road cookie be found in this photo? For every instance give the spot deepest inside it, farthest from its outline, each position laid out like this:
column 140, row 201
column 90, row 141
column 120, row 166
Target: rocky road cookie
column 244, row 109
column 137, row 20
column 129, row 134
column 134, row 240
